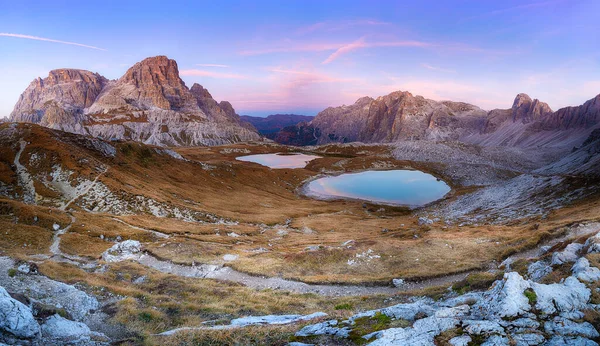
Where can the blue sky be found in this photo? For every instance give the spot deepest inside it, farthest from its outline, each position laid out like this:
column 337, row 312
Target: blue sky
column 302, row 56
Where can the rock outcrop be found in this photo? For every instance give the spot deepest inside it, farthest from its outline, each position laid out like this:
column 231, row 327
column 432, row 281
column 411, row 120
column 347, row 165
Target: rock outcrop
column 150, row 103
column 515, row 311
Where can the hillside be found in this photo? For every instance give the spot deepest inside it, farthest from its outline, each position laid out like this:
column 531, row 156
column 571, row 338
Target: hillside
column 270, row 125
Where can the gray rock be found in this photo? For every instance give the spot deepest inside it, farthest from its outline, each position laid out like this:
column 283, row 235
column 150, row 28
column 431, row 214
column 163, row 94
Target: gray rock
column 496, row 340
column 129, row 249
column 538, row 270
column 565, row 327
column 569, row 254
column 584, row 272
column 324, row 328
column 570, row 341
column 59, row 329
column 16, row 318
column 567, row 297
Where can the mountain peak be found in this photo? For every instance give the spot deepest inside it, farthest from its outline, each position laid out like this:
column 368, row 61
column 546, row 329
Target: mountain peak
column 521, row 99
column 526, row 110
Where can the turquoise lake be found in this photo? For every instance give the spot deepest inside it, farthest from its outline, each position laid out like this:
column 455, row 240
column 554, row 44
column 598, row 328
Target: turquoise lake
column 280, row 161
column 396, row 187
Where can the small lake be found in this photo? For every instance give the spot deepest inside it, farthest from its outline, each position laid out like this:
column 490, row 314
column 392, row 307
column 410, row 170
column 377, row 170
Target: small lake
column 295, row 160
column 396, row 187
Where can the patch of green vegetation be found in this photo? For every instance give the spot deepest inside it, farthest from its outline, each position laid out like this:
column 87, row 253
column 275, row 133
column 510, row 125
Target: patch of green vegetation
column 12, row 272
column 145, row 316
column 520, row 266
column 367, row 325
column 344, row 306
column 476, row 281
column 477, row 339
column 530, row 294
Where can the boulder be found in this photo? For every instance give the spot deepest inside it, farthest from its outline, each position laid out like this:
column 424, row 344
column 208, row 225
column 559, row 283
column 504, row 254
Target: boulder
column 16, row 318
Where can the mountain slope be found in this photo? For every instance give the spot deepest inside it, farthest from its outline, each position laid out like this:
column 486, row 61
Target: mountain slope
column 273, row 123
column 150, row 103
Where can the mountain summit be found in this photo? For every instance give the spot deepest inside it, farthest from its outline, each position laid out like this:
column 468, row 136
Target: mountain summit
column 150, row 103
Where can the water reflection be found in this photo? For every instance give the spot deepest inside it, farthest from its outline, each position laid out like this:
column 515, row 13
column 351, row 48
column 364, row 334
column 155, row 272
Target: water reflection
column 295, row 160
column 396, row 187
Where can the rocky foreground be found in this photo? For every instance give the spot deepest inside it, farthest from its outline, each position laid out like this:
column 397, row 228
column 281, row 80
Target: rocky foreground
column 549, row 299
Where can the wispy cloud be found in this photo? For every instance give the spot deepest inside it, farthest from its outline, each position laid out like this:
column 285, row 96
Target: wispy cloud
column 328, row 26
column 213, row 65
column 309, row 76
column 29, row 37
column 514, row 8
column 211, row 74
column 361, row 43
column 292, row 47
column 435, row 68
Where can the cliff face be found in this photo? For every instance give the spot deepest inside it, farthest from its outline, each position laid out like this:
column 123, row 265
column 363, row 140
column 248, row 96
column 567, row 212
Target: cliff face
column 60, row 97
column 150, row 103
column 397, row 116
column 402, row 116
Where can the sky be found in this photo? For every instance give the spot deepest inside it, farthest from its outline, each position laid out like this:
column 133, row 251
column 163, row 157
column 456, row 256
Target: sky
column 300, row 57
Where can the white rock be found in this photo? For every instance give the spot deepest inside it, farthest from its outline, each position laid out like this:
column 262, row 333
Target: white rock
column 274, row 319
column 496, row 340
column 398, row 282
column 566, row 297
column 505, row 298
column 56, row 227
column 23, row 268
column 425, row 221
column 60, row 329
column 406, row 311
column 565, row 327
column 570, row 341
column 569, row 254
column 16, row 318
column 593, row 243
column 324, row 328
column 584, row 272
column 528, row 339
column 483, row 327
column 128, row 249
column 230, row 257
column 538, row 270
column 422, row 332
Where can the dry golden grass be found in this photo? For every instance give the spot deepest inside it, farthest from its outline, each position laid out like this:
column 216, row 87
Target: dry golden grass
column 162, row 302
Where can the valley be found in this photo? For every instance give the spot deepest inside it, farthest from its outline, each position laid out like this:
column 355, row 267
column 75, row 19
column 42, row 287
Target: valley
column 138, row 211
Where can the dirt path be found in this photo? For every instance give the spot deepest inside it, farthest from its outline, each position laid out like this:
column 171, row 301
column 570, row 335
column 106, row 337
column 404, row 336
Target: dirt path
column 24, row 178
column 219, row 272
column 156, row 233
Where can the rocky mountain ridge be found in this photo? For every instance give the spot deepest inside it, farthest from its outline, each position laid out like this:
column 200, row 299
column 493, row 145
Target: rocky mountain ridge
column 401, row 116
column 150, row 103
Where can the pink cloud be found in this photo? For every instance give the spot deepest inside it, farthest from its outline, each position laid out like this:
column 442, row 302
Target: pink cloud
column 328, row 26
column 213, row 65
column 361, row 43
column 211, row 74
column 435, row 68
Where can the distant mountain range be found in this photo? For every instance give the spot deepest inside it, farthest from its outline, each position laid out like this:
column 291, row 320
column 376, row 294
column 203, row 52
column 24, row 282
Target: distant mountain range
column 150, row 104
column 272, row 124
column 402, row 116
